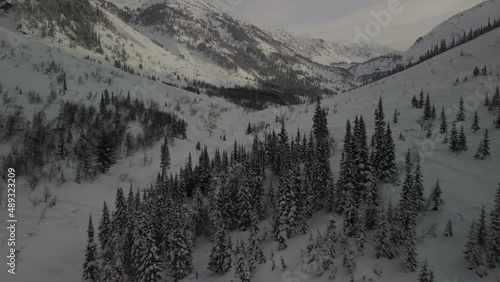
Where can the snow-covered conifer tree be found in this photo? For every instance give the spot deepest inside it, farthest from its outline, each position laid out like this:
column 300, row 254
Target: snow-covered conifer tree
column 436, row 196
column 475, row 123
column 483, row 151
column 90, row 266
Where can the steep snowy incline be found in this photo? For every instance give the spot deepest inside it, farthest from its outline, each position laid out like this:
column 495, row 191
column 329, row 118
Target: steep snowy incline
column 449, row 30
column 455, row 27
column 196, row 28
column 327, row 53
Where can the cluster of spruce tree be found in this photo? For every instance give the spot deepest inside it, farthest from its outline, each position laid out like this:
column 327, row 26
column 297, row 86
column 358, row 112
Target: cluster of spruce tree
column 392, row 230
column 483, row 71
column 429, row 109
column 226, row 192
column 142, row 236
column 482, row 250
column 440, row 48
column 455, row 137
column 93, row 137
column 357, row 198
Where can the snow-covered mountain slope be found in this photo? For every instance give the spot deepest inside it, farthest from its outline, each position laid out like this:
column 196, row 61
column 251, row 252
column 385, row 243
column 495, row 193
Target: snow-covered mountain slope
column 451, row 29
column 122, row 43
column 456, row 26
column 327, row 53
column 52, row 241
column 194, row 26
column 187, row 42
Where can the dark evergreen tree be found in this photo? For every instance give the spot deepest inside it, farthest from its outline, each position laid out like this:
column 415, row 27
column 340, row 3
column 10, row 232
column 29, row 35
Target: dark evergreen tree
column 475, row 123
column 426, row 274
column 362, row 163
column 378, row 141
column 388, row 171
column 418, row 184
column 436, row 197
column 454, row 140
column 164, row 158
column 497, row 122
column 102, row 106
column 484, row 71
column 349, row 261
column 220, row 254
column 255, row 253
column 249, row 129
column 410, row 262
column 242, row 273
column 448, row 229
column 346, row 177
column 331, row 237
column 474, row 253
column 322, row 175
column 408, row 207
column 146, row 264
column 65, row 84
column 461, row 110
column 493, row 240
column 427, row 115
column 476, row 71
column 105, row 152
column 482, row 228
column 397, row 227
column 285, row 213
column 347, row 184
column 199, row 212
column 91, row 266
column 421, row 102
column 203, row 174
column 105, row 230
column 181, row 254
column 360, row 229
column 382, row 239
column 303, row 207
column 117, row 241
column 462, row 141
column 227, row 207
column 414, row 102
column 62, row 151
column 78, row 178
column 395, row 116
column 483, row 151
column 256, row 177
column 244, row 203
column 320, row 127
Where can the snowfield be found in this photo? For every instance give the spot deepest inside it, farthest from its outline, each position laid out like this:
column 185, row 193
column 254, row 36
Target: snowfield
column 51, row 241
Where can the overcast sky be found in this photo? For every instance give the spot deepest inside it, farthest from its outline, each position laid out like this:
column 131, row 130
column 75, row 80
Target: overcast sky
column 338, row 19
